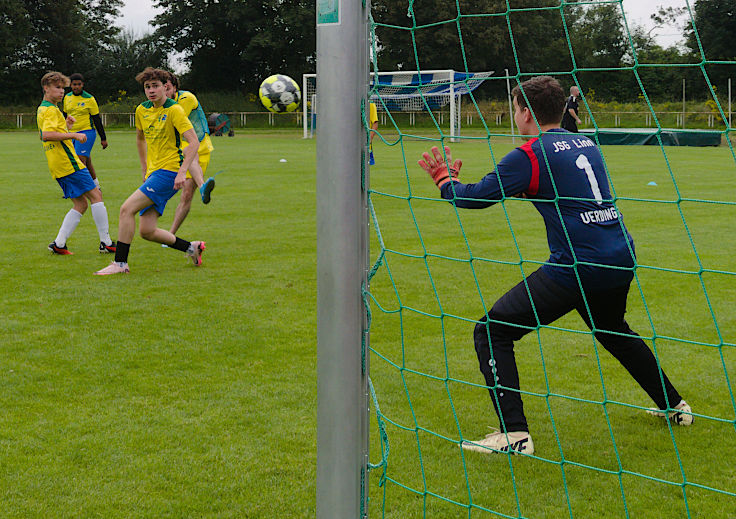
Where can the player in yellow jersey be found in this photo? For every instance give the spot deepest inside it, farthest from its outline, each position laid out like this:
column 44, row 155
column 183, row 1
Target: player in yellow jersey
column 195, row 113
column 373, row 121
column 160, row 125
column 65, row 166
column 82, row 106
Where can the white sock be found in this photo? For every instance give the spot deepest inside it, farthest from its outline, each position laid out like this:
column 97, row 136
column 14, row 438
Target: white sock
column 71, row 220
column 99, row 214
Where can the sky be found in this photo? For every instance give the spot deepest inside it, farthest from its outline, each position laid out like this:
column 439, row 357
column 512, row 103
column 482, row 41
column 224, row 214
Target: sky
column 137, row 14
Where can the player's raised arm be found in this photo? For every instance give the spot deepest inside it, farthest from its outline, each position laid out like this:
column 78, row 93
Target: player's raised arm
column 511, row 177
column 436, row 167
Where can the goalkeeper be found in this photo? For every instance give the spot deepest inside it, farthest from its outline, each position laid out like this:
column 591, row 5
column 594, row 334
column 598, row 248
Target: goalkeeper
column 589, row 270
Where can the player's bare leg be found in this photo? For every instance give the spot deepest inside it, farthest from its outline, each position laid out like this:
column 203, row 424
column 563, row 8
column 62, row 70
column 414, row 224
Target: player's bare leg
column 126, row 231
column 205, row 187
column 80, row 203
column 195, row 170
column 126, row 220
column 150, row 230
column 185, row 204
column 87, row 161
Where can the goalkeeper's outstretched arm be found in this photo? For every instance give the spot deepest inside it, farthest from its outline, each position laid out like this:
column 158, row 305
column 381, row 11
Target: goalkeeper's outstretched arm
column 510, row 178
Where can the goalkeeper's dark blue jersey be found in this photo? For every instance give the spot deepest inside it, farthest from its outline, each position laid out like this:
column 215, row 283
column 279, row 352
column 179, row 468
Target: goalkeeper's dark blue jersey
column 590, row 237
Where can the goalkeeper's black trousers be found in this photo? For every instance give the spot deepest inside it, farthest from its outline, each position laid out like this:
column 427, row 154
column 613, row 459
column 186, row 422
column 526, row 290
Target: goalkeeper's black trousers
column 513, row 316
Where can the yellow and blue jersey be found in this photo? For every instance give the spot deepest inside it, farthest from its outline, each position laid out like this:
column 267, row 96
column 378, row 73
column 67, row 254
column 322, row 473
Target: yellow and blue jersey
column 60, row 155
column 373, row 118
column 82, row 108
column 193, row 110
column 373, row 114
column 162, row 127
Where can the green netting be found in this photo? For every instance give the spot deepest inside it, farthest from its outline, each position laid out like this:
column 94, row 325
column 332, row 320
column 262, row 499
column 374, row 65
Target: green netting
column 438, row 268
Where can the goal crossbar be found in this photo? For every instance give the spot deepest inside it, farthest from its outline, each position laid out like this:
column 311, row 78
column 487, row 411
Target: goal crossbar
column 406, row 91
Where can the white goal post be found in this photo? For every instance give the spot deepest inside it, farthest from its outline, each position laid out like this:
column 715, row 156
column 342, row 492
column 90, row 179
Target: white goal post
column 406, row 91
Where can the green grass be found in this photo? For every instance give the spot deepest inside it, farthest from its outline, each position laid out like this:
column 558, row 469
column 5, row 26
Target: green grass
column 183, row 392
column 172, row 391
column 592, row 460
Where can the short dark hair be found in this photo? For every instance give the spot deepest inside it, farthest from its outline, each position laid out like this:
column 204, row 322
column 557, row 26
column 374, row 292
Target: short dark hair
column 76, row 77
column 174, row 80
column 546, row 97
column 152, row 74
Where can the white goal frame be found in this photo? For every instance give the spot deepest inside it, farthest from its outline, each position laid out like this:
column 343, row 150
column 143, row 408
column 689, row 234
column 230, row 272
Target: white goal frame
column 451, row 93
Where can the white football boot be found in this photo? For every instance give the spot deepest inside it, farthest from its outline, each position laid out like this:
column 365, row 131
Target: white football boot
column 517, row 442
column 680, row 415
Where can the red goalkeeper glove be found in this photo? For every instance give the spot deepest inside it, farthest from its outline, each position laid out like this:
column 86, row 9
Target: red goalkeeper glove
column 437, row 168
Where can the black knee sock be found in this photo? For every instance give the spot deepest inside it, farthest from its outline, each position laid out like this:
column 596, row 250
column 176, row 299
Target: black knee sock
column 180, row 244
column 121, row 252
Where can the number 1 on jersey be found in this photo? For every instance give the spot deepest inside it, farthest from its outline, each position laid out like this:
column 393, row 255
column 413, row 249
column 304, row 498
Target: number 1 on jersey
column 583, row 163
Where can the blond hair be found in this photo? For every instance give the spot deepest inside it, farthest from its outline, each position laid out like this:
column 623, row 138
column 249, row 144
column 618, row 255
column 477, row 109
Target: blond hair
column 55, row 78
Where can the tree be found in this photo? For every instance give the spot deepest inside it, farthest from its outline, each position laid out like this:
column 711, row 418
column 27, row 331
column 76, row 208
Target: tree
column 476, row 35
column 715, row 21
column 599, row 37
column 235, row 44
column 118, row 63
column 51, row 34
column 439, row 34
column 15, row 28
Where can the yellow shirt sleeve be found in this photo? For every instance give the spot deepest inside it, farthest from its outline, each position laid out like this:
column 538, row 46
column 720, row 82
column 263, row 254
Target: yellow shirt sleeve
column 51, row 120
column 188, row 102
column 138, row 123
column 373, row 114
column 92, row 106
column 179, row 119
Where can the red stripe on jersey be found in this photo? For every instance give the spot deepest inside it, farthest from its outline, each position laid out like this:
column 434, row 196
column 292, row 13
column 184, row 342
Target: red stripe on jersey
column 534, row 182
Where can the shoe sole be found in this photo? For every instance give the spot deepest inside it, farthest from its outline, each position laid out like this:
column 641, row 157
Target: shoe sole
column 107, row 251
column 63, row 253
column 525, row 448
column 681, row 417
column 101, row 273
column 208, row 187
column 199, row 256
column 490, row 450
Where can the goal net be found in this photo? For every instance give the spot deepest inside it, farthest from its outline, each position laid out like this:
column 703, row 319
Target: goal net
column 436, row 268
column 402, row 91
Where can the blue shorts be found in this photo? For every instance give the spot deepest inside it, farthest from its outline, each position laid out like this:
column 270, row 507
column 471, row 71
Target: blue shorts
column 159, row 187
column 76, row 184
column 84, row 149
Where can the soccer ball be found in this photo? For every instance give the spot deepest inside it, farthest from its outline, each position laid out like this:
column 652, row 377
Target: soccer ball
column 280, row 94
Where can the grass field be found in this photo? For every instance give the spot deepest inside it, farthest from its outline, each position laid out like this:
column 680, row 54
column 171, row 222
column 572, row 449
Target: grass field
column 184, row 392
column 592, row 460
